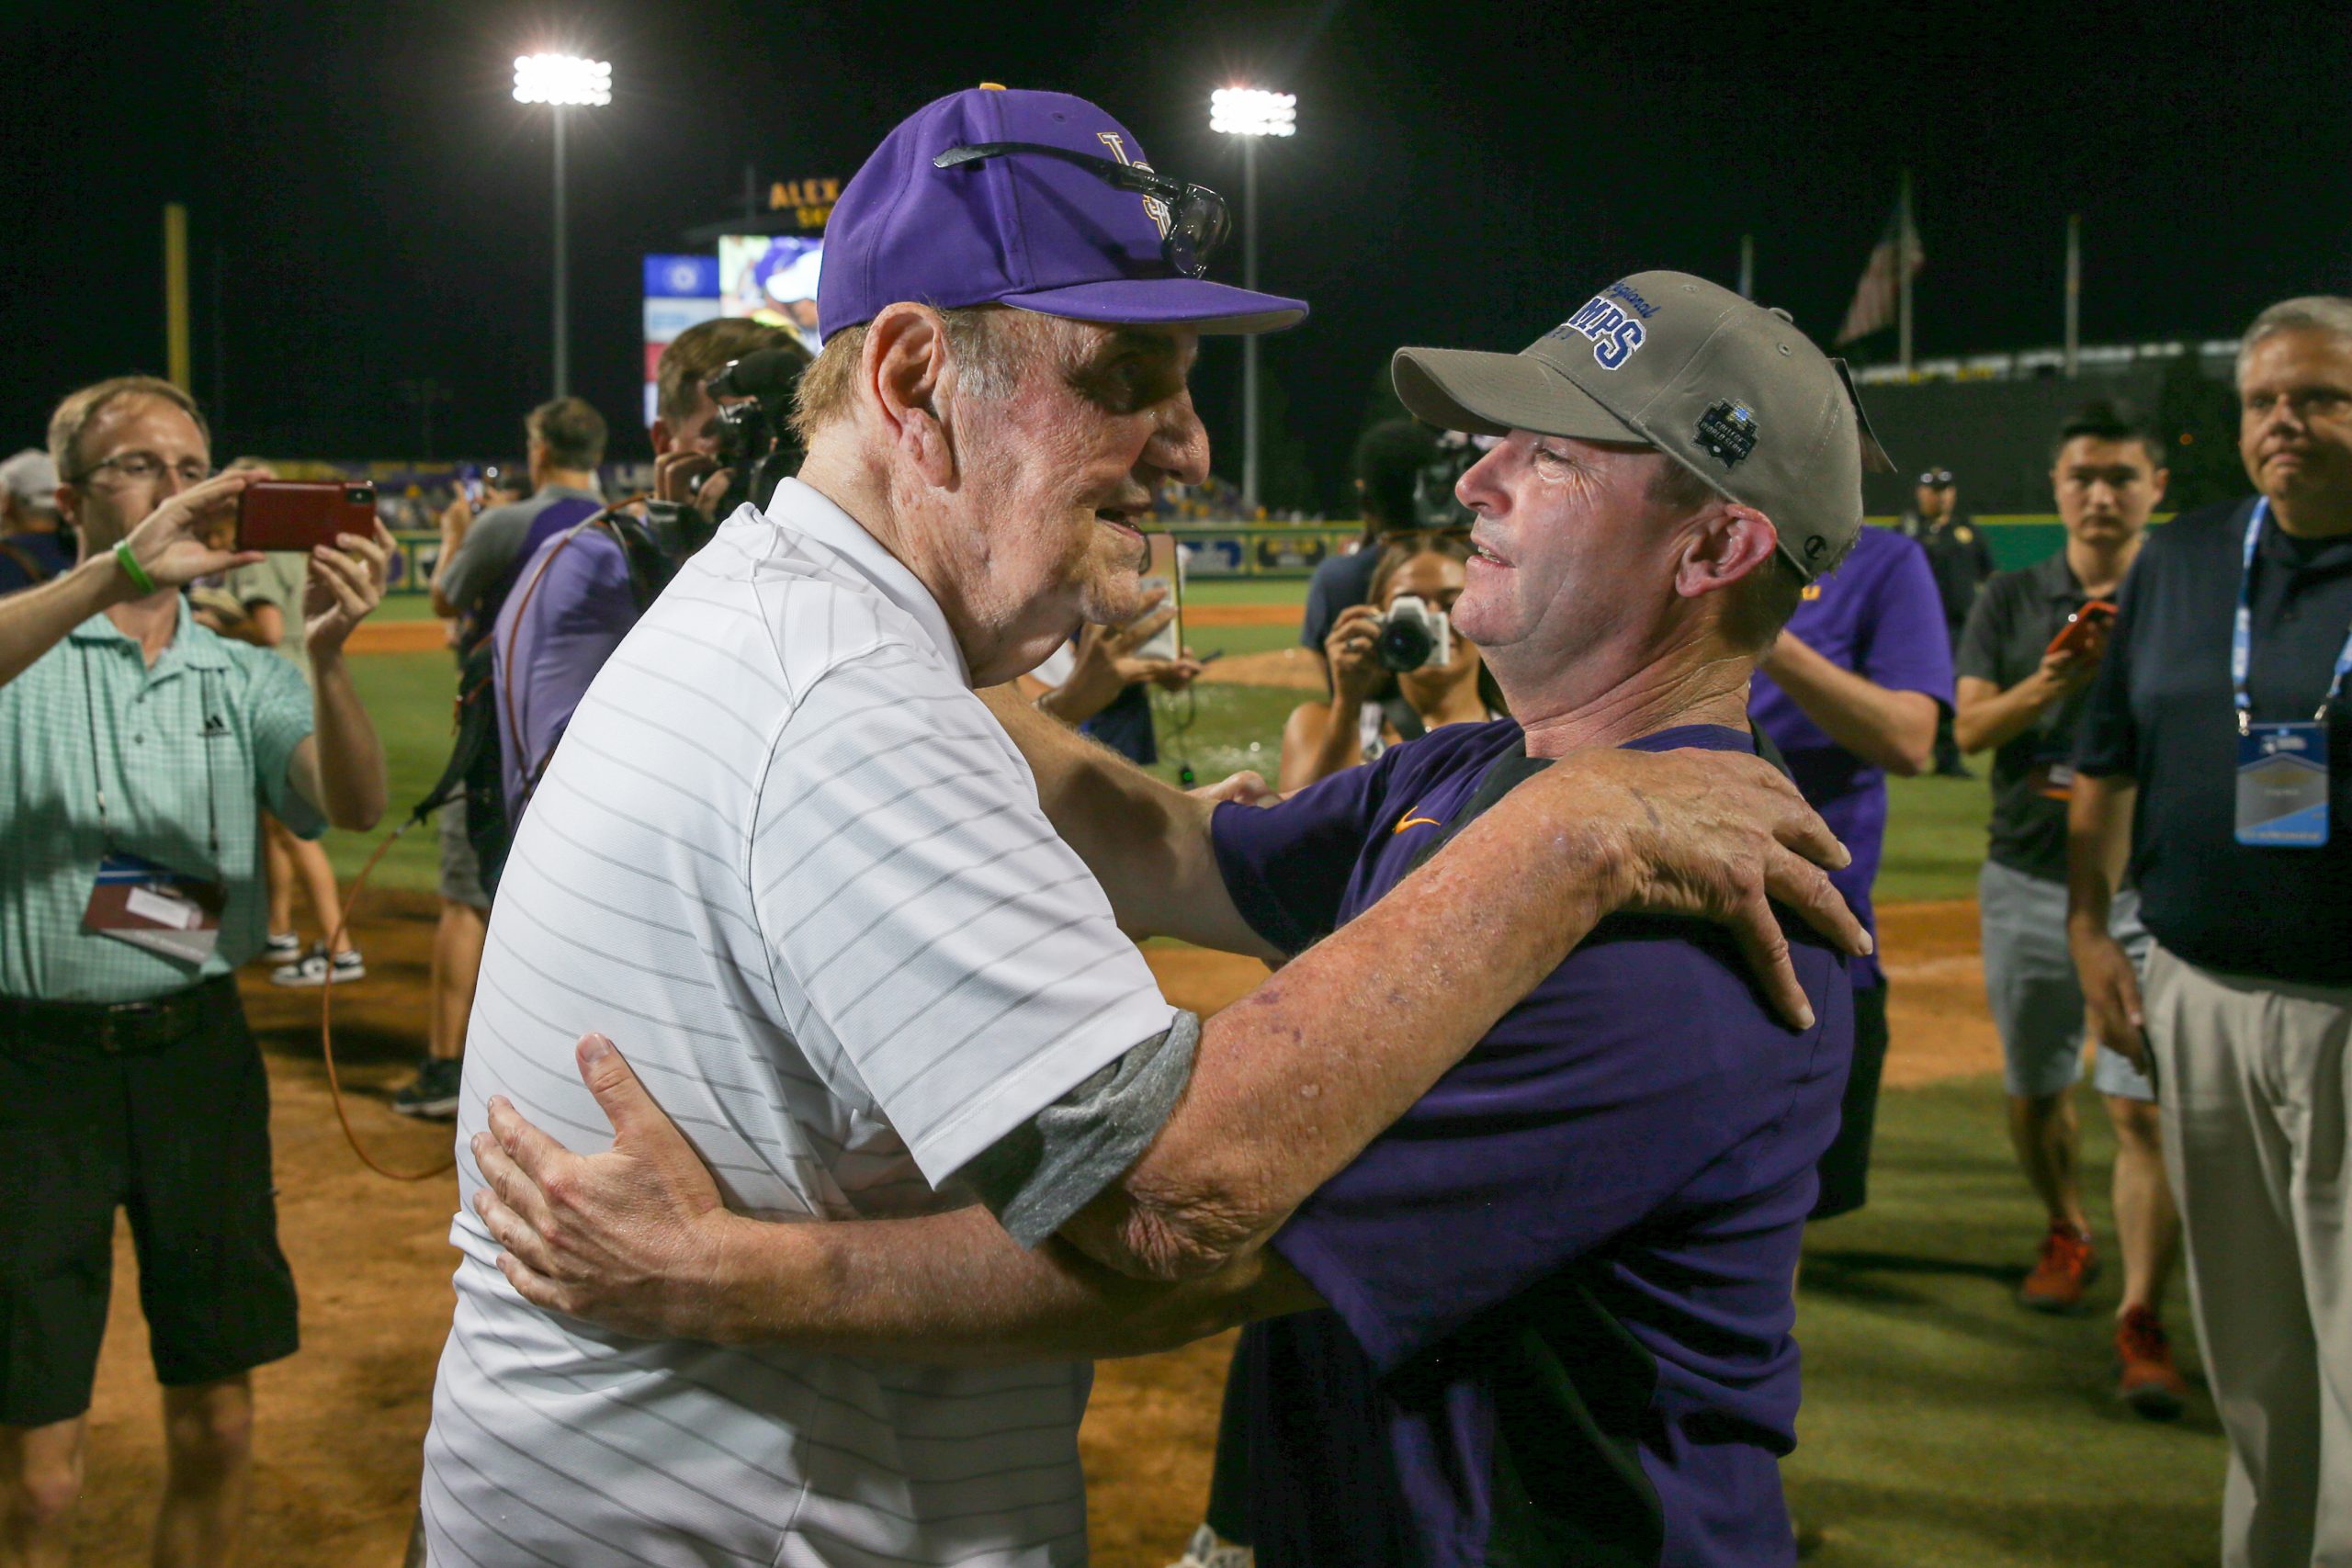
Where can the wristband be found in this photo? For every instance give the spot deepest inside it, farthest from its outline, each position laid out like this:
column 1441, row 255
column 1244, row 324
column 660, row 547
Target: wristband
column 132, row 570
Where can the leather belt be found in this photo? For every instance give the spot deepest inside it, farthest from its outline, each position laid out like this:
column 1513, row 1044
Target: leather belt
column 114, row 1029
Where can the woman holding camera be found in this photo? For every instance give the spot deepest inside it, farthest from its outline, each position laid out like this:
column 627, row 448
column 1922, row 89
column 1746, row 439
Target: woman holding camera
column 1453, row 687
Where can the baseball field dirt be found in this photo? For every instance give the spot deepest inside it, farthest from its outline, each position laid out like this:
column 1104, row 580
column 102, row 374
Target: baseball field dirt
column 340, row 1423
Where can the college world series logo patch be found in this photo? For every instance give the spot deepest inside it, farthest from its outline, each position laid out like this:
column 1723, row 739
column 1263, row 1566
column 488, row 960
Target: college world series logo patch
column 1728, row 434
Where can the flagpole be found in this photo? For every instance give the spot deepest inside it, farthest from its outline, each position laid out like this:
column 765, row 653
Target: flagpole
column 1902, row 243
column 1747, row 267
column 2074, row 293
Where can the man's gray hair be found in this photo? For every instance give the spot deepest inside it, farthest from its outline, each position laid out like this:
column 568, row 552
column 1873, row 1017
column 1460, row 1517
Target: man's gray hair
column 2329, row 313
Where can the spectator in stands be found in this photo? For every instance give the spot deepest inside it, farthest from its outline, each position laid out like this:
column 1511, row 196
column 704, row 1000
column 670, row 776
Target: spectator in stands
column 575, row 598
column 2219, row 736
column 1390, row 460
column 1099, row 684
column 565, row 440
column 136, row 750
column 1322, row 737
column 258, row 604
column 1849, row 693
column 33, row 544
column 1960, row 560
column 2019, row 695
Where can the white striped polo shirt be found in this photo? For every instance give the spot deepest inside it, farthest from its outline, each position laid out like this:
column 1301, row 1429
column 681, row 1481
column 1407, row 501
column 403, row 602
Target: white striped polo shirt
column 787, row 860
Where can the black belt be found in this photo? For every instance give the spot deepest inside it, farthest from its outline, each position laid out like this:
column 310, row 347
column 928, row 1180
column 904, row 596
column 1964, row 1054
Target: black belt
column 117, row 1029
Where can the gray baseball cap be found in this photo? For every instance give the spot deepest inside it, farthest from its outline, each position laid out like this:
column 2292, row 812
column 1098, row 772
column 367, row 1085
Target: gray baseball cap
column 31, row 478
column 1726, row 387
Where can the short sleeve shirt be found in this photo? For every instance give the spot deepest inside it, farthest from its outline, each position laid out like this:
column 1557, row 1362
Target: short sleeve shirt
column 787, row 859
column 1877, row 615
column 491, row 549
column 183, row 752
column 1559, row 1286
column 2008, row 635
column 2160, row 714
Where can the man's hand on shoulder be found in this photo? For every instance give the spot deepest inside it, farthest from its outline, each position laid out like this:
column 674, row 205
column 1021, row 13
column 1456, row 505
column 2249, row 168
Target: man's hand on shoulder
column 1704, row 833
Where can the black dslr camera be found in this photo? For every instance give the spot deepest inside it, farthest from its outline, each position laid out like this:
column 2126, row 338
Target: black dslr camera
column 756, row 444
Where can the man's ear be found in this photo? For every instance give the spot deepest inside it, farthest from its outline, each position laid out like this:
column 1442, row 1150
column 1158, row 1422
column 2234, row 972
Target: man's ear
column 900, row 373
column 1730, row 542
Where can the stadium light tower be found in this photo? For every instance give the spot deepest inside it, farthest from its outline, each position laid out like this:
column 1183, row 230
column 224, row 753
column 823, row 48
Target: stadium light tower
column 1249, row 113
column 561, row 81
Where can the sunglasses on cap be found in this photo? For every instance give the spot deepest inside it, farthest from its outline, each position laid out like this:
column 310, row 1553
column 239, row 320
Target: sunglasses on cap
column 1937, row 478
column 1194, row 219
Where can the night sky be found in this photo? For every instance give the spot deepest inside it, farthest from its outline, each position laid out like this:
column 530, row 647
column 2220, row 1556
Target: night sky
column 369, row 206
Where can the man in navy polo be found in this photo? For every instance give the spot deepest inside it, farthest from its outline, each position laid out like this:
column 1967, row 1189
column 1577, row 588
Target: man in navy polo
column 1852, row 692
column 1544, row 1318
column 2218, row 736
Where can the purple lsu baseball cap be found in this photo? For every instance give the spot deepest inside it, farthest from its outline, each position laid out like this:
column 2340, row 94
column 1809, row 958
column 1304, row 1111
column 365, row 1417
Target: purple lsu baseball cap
column 1025, row 230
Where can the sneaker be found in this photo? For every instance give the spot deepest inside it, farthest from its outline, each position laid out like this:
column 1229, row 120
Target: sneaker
column 434, row 1093
column 2064, row 1270
column 281, row 947
column 2147, row 1379
column 315, row 968
column 1209, row 1550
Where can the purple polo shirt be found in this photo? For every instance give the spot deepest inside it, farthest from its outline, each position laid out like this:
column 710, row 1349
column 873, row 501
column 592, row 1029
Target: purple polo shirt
column 1878, row 615
column 553, row 632
column 1559, row 1286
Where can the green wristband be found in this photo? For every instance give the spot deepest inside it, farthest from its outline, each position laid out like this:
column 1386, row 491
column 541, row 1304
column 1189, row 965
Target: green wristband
column 132, row 570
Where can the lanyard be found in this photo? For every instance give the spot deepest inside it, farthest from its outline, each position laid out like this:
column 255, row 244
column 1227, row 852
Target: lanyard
column 2241, row 635
column 212, row 726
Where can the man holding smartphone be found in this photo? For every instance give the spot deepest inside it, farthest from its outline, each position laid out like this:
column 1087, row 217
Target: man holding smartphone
column 2033, row 644
column 137, row 751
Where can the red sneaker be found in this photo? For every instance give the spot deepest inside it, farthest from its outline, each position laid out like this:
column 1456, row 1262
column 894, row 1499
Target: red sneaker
column 2065, row 1269
column 2148, row 1382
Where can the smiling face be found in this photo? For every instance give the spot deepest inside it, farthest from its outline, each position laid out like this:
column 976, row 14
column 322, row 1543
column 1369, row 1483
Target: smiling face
column 1055, row 477
column 2295, row 419
column 1568, row 553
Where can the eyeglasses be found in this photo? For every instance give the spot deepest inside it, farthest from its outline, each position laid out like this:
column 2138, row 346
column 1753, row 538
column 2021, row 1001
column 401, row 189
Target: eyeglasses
column 1194, row 219
column 1937, row 478
column 146, row 469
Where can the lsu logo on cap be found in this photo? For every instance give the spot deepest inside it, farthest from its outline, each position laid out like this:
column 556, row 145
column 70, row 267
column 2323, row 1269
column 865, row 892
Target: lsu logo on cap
column 1153, row 206
column 1615, row 332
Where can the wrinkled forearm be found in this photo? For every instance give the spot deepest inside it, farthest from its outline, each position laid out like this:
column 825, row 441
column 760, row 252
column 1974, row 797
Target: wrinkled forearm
column 1291, row 1082
column 955, row 1289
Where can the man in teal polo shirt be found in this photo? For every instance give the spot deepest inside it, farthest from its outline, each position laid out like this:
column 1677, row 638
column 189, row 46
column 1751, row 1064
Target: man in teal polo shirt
column 137, row 749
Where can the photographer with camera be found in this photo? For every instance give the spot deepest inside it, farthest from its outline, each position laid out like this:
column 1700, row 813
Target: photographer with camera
column 1405, row 632
column 1393, row 460
column 138, row 750
column 582, row 592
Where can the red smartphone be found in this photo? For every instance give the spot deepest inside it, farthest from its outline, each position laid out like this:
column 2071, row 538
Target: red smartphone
column 2081, row 627
column 295, row 515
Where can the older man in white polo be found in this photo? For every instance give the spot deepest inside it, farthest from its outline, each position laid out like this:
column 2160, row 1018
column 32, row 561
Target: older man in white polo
column 847, row 929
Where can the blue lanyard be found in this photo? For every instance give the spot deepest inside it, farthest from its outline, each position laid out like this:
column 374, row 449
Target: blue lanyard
column 2241, row 633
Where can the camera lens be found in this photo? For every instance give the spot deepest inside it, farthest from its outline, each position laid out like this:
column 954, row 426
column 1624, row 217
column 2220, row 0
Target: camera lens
column 360, row 495
column 1405, row 642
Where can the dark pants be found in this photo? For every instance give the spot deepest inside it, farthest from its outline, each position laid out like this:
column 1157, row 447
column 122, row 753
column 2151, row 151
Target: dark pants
column 177, row 1133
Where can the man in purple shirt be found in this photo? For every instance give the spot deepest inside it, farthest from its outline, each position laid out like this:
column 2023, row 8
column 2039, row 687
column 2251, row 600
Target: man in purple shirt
column 1558, row 1288
column 1850, row 693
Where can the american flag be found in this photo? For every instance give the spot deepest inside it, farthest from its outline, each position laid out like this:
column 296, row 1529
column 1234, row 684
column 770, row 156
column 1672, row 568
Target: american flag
column 1874, row 296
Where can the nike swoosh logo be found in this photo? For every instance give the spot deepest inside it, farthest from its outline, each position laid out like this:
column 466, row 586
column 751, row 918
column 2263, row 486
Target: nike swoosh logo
column 1416, row 822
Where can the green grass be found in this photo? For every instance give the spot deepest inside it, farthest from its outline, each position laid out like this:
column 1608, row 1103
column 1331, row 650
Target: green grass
column 410, row 696
column 1943, row 1424
column 1935, row 836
